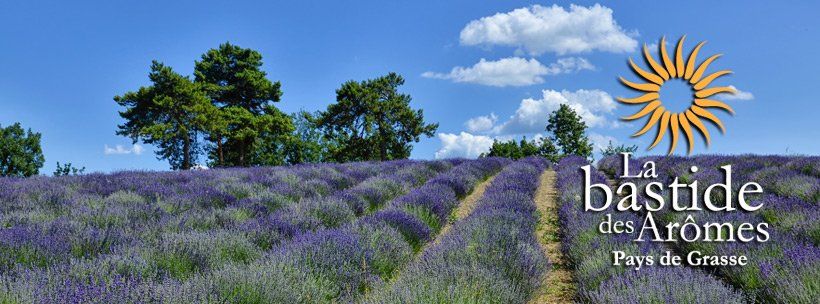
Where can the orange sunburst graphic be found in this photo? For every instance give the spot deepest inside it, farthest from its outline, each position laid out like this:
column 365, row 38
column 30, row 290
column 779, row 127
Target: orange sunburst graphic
column 694, row 76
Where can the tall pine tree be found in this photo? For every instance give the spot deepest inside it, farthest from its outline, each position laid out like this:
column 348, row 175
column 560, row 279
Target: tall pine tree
column 169, row 114
column 249, row 130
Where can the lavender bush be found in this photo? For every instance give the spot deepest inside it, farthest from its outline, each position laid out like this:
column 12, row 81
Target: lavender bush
column 786, row 267
column 364, row 232
column 341, row 264
column 131, row 236
column 491, row 256
column 590, row 252
column 337, row 209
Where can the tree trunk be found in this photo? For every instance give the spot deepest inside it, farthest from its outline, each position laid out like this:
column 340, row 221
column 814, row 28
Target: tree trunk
column 242, row 154
column 221, row 162
column 186, row 153
column 382, row 140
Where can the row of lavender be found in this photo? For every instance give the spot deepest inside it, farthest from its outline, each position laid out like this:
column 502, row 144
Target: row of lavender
column 784, row 269
column 345, row 263
column 47, row 218
column 491, row 256
column 74, row 238
column 590, row 252
column 337, row 209
column 791, row 184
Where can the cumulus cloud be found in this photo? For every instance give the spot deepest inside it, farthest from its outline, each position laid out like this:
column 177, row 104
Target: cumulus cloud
column 531, row 115
column 511, row 71
column 481, row 123
column 538, row 30
column 121, row 150
column 462, row 145
column 738, row 95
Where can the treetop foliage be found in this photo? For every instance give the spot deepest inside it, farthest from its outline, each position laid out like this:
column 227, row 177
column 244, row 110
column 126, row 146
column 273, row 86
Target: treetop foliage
column 20, row 151
column 538, row 147
column 569, row 132
column 371, row 120
column 227, row 112
column 232, row 76
column 617, row 150
column 169, row 114
column 67, row 169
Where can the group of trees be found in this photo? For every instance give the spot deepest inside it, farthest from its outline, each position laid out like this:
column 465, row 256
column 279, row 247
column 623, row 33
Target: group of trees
column 228, row 104
column 227, row 113
column 568, row 137
column 518, row 149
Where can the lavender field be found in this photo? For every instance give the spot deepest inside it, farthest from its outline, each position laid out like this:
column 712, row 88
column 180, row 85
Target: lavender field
column 784, row 269
column 385, row 232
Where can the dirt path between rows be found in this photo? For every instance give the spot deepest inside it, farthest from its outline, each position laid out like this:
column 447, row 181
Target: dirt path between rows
column 465, row 207
column 557, row 285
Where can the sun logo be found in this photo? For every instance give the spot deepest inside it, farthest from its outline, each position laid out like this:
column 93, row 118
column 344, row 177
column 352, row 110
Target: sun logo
column 700, row 103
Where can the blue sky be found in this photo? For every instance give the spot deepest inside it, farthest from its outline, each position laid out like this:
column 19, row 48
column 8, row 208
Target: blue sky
column 61, row 64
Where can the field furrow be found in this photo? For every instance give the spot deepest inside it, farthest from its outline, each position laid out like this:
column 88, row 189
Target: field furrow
column 465, row 207
column 557, row 285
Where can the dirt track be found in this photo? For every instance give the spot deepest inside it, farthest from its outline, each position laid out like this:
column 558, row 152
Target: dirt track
column 557, row 285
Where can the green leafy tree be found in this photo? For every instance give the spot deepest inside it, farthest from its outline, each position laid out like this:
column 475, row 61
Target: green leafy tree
column 569, row 132
column 67, row 169
column 216, row 130
column 617, row 150
column 268, row 135
column 371, row 120
column 169, row 114
column 20, row 152
column 248, row 130
column 307, row 145
column 528, row 148
column 548, row 150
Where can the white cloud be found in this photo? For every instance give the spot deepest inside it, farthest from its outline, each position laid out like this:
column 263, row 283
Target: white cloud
column 531, row 115
column 120, row 150
column 481, row 123
column 600, row 142
column 137, row 149
column 462, row 145
column 738, row 95
column 511, row 71
column 538, row 29
column 570, row 64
